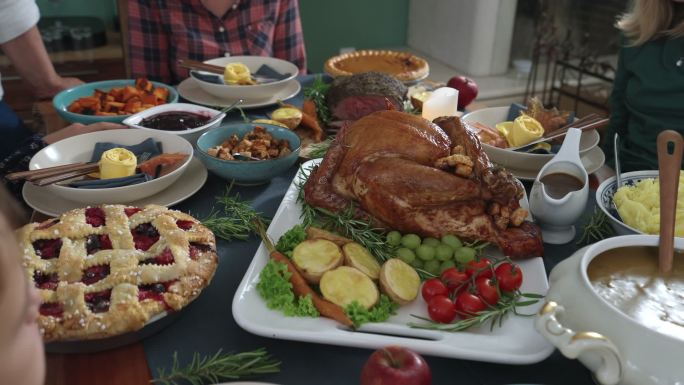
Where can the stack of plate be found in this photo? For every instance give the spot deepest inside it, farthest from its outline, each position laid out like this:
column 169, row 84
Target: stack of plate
column 198, row 90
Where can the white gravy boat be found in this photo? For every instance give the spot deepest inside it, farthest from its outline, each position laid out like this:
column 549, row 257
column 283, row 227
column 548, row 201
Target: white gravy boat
column 556, row 216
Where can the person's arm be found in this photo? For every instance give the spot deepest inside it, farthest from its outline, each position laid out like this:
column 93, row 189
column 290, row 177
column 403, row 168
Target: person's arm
column 288, row 38
column 148, row 45
column 21, row 42
column 619, row 115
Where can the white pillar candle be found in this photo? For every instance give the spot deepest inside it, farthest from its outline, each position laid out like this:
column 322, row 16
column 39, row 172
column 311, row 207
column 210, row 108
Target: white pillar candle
column 442, row 102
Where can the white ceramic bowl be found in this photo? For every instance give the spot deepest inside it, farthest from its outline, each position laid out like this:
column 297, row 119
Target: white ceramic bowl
column 189, row 135
column 582, row 325
column 254, row 92
column 80, row 148
column 604, row 198
column 514, row 159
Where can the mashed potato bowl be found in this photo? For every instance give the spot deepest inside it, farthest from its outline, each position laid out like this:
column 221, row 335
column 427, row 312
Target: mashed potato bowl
column 635, row 204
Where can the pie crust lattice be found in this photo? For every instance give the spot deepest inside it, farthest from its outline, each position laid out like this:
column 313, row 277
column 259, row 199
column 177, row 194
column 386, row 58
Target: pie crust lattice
column 103, row 271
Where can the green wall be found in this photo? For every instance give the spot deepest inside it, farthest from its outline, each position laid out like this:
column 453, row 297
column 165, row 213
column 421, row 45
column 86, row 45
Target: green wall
column 331, row 25
column 103, row 9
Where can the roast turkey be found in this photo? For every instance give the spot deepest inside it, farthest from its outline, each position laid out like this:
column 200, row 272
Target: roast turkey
column 430, row 178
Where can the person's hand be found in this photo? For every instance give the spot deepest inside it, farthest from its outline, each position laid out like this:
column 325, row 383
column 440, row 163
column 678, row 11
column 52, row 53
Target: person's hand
column 78, row 129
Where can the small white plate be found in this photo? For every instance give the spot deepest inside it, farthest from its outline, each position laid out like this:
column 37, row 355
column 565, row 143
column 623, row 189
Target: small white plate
column 190, row 90
column 42, row 200
column 592, row 161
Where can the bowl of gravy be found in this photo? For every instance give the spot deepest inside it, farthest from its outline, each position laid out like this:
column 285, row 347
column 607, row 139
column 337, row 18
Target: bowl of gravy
column 186, row 120
column 609, row 306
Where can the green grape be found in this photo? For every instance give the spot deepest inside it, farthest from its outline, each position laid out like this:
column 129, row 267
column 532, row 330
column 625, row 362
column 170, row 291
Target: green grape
column 432, row 267
column 452, row 241
column 426, row 253
column 464, row 255
column 410, row 241
column 417, row 263
column 444, row 252
column 393, row 238
column 434, row 242
column 445, row 265
column 406, row 255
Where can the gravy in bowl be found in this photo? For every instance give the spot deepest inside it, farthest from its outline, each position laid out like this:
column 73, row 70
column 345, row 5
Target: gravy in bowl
column 629, row 279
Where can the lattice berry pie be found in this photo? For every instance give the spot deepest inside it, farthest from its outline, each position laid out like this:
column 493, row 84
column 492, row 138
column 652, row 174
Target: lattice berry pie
column 104, row 271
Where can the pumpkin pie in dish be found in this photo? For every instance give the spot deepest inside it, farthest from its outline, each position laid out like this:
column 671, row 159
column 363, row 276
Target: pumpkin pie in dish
column 403, row 65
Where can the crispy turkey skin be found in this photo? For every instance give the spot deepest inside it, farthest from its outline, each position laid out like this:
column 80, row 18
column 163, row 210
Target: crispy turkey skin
column 409, row 174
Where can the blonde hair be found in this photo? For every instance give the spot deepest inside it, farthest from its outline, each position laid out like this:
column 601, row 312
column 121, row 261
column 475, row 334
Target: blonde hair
column 651, row 19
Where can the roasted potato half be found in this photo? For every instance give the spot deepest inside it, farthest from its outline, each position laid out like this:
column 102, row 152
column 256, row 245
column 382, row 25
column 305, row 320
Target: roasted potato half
column 399, row 281
column 314, row 257
column 345, row 284
column 315, row 233
column 361, row 259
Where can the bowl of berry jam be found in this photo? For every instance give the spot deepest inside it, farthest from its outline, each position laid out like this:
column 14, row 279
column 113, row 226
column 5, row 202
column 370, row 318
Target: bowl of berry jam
column 186, row 120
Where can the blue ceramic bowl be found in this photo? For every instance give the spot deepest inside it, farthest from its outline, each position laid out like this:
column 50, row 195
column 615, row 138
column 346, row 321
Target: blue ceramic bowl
column 604, row 198
column 246, row 172
column 62, row 100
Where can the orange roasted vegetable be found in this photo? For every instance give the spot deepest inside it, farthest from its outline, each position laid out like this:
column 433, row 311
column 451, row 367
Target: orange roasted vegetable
column 122, row 100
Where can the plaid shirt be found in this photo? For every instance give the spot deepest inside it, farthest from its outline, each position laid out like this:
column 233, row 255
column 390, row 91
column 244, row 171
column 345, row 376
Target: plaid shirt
column 163, row 31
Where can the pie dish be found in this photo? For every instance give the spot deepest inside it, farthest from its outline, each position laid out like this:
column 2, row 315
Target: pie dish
column 104, row 271
column 403, row 65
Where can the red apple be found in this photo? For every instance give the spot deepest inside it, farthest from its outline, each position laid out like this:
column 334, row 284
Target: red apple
column 467, row 90
column 396, row 365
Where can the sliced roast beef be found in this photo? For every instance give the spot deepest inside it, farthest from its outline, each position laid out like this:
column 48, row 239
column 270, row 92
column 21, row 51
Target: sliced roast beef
column 353, row 97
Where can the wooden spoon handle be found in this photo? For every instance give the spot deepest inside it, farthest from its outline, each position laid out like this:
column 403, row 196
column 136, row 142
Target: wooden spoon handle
column 669, row 164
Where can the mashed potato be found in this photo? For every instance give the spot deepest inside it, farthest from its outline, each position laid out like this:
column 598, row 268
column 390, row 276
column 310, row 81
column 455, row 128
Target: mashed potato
column 639, row 206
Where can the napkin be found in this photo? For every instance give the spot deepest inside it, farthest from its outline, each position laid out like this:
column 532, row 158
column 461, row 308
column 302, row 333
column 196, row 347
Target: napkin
column 268, row 72
column 516, row 108
column 265, row 71
column 149, row 146
column 112, row 182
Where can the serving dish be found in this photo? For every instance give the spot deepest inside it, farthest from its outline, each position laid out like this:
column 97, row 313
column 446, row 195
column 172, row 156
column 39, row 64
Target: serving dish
column 62, row 100
column 247, row 172
column 520, row 160
column 80, row 148
column 43, row 200
column 515, row 342
column 190, row 135
column 583, row 325
column 256, row 92
column 404, row 66
column 190, row 90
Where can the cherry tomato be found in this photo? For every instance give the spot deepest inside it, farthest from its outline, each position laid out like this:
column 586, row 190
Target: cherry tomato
column 487, row 290
column 441, row 309
column 454, row 279
column 468, row 304
column 433, row 287
column 481, row 268
column 509, row 276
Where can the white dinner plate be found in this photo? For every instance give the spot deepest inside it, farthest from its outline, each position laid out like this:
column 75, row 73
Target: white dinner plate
column 190, row 90
column 592, row 161
column 42, row 200
column 515, row 342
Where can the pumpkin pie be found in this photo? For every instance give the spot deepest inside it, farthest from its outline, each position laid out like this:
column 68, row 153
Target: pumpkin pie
column 403, row 65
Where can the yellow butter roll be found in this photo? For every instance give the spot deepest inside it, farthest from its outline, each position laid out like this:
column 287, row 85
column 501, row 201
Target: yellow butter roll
column 521, row 131
column 117, row 163
column 237, row 73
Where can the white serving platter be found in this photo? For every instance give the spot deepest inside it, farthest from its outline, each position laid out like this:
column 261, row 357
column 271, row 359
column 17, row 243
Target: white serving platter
column 516, row 342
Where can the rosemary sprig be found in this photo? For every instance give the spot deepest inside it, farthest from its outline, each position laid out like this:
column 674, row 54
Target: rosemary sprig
column 494, row 315
column 220, row 366
column 597, row 228
column 316, row 93
column 318, row 150
column 235, row 220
